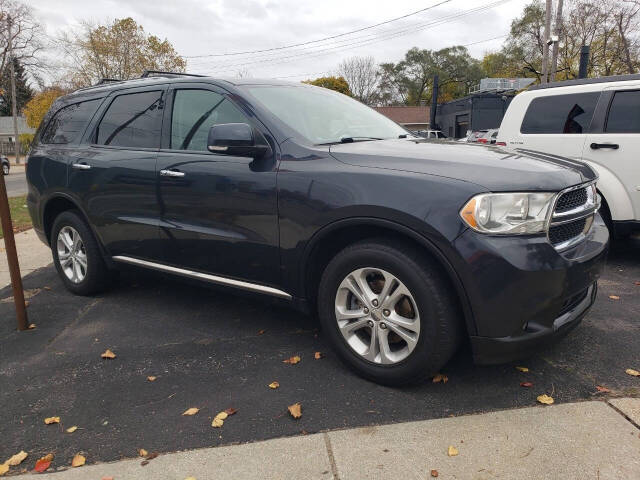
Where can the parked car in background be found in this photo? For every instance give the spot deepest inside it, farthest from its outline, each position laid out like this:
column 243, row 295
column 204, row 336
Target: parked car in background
column 436, row 134
column 489, row 137
column 596, row 121
column 5, row 165
column 402, row 247
column 475, row 136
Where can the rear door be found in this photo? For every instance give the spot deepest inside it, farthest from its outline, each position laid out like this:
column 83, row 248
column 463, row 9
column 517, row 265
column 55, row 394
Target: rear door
column 615, row 148
column 114, row 173
column 218, row 212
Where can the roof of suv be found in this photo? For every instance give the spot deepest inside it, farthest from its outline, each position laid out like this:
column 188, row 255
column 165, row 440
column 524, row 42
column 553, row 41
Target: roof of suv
column 587, row 81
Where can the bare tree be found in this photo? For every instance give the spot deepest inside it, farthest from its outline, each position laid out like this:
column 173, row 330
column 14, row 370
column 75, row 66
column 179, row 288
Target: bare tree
column 362, row 75
column 21, row 36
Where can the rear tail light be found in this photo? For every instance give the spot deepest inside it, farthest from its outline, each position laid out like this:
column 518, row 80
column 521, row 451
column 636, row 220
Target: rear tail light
column 502, row 144
column 482, row 140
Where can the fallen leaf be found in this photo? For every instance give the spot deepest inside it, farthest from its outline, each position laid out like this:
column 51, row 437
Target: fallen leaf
column 295, row 410
column 107, row 478
column 440, row 378
column 602, row 389
column 318, row 355
column 217, row 422
column 151, row 378
column 43, row 463
column 546, row 399
column 50, row 420
column 31, row 326
column 637, row 283
column 292, row 360
column 631, row 371
column 16, row 459
column 452, row 451
column 78, row 460
column 230, row 411
column 4, row 468
column 142, row 452
column 191, row 411
column 222, row 415
column 274, row 385
column 47, row 288
column 144, row 462
column 526, row 384
column 522, row 369
column 190, row 478
column 71, row 429
column 434, row 473
column 614, row 297
column 108, row 354
column 261, row 332
column 152, row 455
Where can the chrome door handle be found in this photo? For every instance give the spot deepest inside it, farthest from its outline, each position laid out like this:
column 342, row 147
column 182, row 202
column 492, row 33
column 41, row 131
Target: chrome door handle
column 171, row 173
column 80, row 166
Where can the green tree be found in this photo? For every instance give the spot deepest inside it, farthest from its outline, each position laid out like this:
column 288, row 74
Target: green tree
column 24, row 93
column 120, row 50
column 339, row 84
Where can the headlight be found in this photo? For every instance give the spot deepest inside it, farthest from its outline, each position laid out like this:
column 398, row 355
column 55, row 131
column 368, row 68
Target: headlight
column 508, row 213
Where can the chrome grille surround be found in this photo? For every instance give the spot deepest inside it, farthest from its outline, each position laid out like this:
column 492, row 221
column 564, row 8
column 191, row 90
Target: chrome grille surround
column 568, row 220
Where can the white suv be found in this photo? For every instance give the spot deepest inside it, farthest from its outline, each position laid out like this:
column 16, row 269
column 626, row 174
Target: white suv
column 596, row 121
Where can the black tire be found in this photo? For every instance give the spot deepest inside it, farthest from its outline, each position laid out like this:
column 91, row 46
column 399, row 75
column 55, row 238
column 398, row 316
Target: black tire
column 97, row 276
column 441, row 322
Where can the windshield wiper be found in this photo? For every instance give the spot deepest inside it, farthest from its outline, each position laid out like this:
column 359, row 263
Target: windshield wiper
column 351, row 140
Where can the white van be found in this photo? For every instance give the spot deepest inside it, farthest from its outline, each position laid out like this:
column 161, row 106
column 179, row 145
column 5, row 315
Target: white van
column 593, row 120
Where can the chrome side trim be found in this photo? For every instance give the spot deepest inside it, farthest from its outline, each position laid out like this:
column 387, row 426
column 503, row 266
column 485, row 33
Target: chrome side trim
column 575, row 311
column 204, row 276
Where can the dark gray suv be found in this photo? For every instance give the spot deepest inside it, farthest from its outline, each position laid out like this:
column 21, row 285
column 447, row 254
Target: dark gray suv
column 402, row 246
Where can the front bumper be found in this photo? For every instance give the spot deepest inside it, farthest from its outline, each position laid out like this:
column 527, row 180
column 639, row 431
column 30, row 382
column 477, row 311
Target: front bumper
column 525, row 294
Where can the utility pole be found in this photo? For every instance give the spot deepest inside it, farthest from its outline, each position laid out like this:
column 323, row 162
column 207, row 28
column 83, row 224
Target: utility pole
column 545, row 47
column 14, row 106
column 556, row 33
column 7, row 230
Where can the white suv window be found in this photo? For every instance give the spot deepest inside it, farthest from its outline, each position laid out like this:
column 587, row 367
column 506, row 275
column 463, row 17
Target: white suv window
column 624, row 113
column 560, row 113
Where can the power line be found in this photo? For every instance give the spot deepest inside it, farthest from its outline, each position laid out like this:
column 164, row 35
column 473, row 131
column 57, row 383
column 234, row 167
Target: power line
column 321, row 39
column 386, row 36
column 351, row 41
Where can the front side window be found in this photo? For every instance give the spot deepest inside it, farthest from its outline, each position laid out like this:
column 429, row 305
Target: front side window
column 68, row 124
column 324, row 116
column 194, row 113
column 560, row 113
column 132, row 120
column 624, row 113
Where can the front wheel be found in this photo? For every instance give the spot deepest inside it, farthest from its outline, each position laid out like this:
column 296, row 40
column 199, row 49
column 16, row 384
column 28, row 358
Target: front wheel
column 388, row 311
column 77, row 256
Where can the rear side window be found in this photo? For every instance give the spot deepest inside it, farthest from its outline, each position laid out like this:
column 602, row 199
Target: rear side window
column 560, row 113
column 68, row 124
column 624, row 113
column 194, row 113
column 132, row 120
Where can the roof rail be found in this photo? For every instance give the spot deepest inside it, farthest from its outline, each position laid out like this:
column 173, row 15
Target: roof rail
column 160, row 73
column 587, row 81
column 107, row 80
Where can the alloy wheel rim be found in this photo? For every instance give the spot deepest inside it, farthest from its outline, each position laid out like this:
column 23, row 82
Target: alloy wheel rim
column 72, row 255
column 377, row 315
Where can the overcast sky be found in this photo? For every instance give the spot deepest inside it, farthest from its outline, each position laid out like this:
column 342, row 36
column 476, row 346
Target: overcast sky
column 205, row 27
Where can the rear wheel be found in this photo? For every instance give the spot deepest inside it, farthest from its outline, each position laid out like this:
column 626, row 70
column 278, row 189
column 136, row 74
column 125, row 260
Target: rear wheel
column 77, row 256
column 388, row 312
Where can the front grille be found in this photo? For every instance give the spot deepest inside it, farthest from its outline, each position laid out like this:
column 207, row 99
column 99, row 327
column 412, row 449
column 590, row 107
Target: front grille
column 566, row 231
column 570, row 200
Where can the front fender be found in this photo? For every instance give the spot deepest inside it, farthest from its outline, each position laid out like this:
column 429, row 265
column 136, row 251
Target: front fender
column 614, row 192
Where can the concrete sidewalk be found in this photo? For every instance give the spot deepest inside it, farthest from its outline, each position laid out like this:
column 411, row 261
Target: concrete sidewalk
column 587, row 440
column 32, row 254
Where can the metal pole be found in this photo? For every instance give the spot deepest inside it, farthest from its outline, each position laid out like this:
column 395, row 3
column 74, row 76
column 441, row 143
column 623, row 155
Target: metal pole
column 434, row 103
column 10, row 241
column 14, row 106
column 545, row 48
column 557, row 30
column 584, row 61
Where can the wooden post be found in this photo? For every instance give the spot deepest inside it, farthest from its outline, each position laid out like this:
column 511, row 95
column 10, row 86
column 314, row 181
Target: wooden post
column 10, row 242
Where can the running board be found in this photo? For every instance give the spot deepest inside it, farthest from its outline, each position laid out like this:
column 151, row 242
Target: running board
column 254, row 287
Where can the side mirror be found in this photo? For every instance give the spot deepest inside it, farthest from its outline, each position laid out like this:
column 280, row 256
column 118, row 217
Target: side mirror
column 235, row 139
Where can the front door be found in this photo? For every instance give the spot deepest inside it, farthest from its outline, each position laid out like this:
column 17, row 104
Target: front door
column 114, row 174
column 218, row 212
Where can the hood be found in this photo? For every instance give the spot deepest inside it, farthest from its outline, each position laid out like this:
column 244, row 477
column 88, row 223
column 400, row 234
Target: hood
column 493, row 168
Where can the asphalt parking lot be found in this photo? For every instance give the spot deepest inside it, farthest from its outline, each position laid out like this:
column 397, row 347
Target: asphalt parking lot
column 207, row 351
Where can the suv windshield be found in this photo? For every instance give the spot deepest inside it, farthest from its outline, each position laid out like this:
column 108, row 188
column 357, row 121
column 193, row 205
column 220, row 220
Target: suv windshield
column 323, row 116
